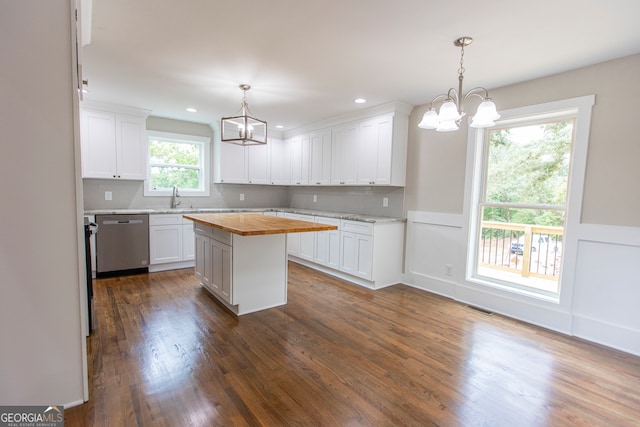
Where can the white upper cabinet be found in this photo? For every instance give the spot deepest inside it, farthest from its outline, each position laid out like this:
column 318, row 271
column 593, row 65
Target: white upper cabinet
column 280, row 162
column 370, row 150
column 377, row 151
column 299, row 149
column 231, row 164
column 113, row 144
column 258, row 163
column 344, row 154
column 320, row 157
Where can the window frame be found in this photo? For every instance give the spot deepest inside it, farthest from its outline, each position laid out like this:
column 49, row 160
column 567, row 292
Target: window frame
column 579, row 109
column 202, row 142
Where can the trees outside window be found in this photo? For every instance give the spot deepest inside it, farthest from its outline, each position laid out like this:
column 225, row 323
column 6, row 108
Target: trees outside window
column 177, row 160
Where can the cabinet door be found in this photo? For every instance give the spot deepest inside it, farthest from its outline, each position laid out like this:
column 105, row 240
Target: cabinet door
column 363, row 256
column 188, row 243
column 203, row 263
column 258, row 163
column 348, row 252
column 221, row 270
column 165, row 244
column 356, row 254
column 98, row 136
column 131, row 147
column 299, row 148
column 344, row 155
column 328, row 244
column 280, row 162
column 320, row 157
column 375, row 151
column 232, row 163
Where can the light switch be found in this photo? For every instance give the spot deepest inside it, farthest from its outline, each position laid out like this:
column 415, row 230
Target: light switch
column 315, row 198
column 241, row 196
column 108, row 195
column 385, row 202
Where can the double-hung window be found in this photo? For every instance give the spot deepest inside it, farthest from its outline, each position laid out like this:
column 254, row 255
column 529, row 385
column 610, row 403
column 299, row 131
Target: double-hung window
column 177, row 160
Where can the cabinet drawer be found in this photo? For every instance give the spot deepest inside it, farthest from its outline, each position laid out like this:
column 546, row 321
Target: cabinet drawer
column 165, row 219
column 357, row 227
column 222, row 236
column 213, row 233
column 328, row 221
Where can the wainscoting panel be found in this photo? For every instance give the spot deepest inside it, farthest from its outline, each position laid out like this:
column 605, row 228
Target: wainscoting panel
column 605, row 306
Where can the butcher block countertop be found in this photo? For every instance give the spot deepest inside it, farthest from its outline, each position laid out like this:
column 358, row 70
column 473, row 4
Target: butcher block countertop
column 254, row 224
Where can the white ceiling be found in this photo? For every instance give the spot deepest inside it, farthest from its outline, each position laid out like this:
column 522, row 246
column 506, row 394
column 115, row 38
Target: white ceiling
column 307, row 60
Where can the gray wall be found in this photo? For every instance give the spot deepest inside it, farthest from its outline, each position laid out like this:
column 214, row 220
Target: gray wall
column 436, row 167
column 40, row 233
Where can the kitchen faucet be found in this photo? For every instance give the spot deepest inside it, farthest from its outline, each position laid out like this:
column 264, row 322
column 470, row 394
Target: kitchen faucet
column 174, row 196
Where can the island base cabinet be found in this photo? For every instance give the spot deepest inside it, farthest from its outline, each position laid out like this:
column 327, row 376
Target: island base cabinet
column 245, row 273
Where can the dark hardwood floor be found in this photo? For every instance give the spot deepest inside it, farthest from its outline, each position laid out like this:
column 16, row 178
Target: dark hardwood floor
column 165, row 353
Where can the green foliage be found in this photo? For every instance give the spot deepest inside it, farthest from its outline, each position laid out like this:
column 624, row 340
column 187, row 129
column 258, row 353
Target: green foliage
column 529, row 165
column 174, row 164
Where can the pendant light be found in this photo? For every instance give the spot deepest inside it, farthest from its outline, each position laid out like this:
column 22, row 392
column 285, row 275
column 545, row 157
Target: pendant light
column 243, row 129
column 452, row 109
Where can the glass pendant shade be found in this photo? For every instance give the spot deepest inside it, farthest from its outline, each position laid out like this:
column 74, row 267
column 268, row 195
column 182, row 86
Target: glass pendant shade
column 485, row 115
column 449, row 111
column 429, row 120
column 447, row 126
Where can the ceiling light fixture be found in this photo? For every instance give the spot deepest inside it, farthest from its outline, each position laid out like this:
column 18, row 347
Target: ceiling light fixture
column 242, row 129
column 452, row 109
column 359, row 100
column 192, row 110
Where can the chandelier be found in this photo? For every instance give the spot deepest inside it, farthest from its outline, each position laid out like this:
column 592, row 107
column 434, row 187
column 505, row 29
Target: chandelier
column 452, row 109
column 242, row 129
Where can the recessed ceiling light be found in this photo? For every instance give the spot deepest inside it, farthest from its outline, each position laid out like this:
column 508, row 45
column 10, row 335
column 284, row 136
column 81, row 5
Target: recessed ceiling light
column 279, row 127
column 192, row 110
column 359, row 100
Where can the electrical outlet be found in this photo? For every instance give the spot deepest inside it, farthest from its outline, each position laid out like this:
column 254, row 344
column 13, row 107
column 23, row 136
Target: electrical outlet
column 108, row 195
column 241, row 196
column 315, row 198
column 448, row 268
column 385, row 202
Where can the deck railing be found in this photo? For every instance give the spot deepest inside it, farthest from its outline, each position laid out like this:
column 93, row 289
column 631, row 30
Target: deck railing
column 530, row 250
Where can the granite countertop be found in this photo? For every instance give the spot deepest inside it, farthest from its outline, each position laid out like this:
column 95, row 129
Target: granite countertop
column 328, row 214
column 255, row 224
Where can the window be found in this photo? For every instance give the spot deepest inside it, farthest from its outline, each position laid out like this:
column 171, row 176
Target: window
column 522, row 207
column 177, row 160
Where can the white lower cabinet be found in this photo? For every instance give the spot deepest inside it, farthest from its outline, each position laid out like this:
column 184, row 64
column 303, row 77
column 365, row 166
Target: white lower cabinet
column 327, row 251
column 365, row 253
column 245, row 273
column 301, row 245
column 171, row 242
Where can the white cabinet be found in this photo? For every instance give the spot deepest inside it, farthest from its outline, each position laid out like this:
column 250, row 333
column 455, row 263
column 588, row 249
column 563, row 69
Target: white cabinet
column 299, row 149
column 171, row 242
column 280, row 162
column 356, row 248
column 301, row 245
column 327, row 250
column 344, row 154
column 320, row 157
column 245, row 273
column 230, row 163
column 259, row 163
column 365, row 253
column 113, row 144
column 382, row 151
column 220, row 278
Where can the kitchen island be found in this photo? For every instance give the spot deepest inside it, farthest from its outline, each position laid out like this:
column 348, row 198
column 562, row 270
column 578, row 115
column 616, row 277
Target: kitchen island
column 241, row 258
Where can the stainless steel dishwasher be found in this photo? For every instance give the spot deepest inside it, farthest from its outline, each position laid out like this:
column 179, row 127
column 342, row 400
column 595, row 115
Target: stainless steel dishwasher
column 122, row 246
